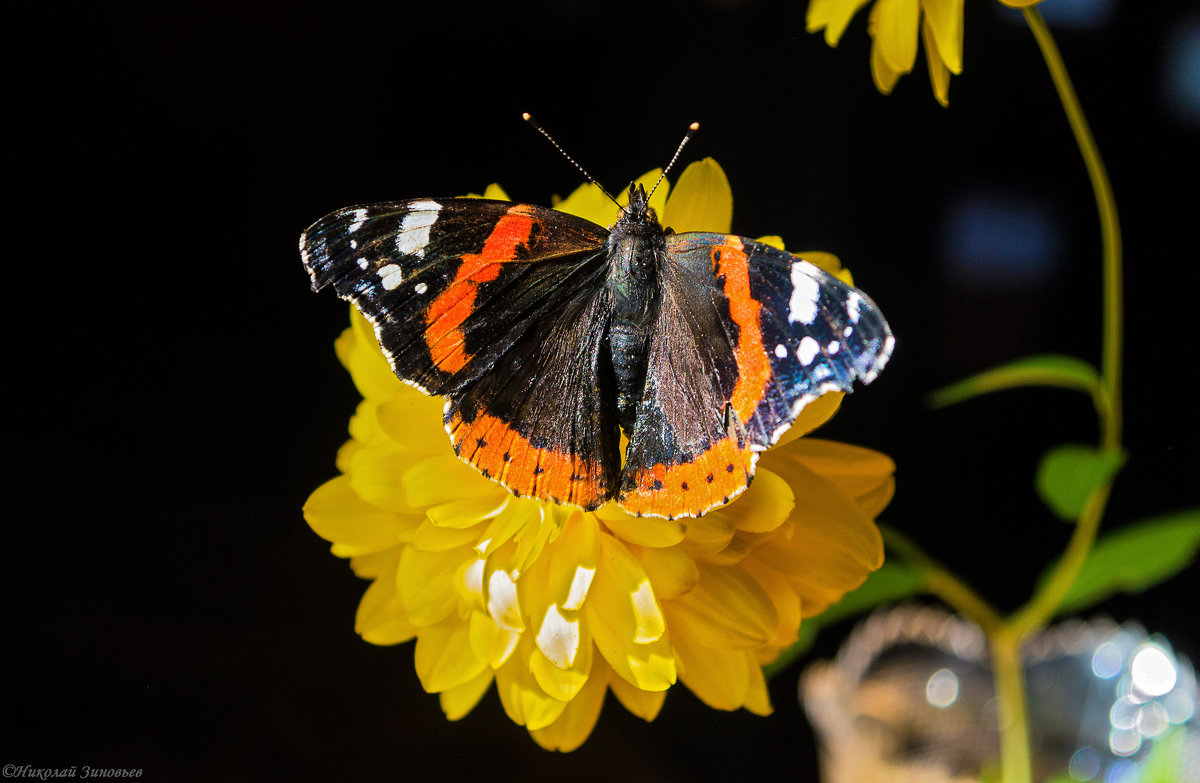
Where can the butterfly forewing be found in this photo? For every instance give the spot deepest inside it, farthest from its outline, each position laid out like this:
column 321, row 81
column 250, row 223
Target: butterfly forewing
column 447, row 280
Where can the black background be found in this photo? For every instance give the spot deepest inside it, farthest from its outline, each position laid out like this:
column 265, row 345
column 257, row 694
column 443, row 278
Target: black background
column 176, row 396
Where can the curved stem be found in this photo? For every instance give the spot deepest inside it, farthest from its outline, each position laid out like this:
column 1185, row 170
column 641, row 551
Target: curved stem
column 1110, row 230
column 939, row 581
column 1005, row 647
column 1030, row 618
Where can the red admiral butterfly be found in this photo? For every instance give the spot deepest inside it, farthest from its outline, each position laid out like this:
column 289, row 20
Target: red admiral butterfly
column 549, row 335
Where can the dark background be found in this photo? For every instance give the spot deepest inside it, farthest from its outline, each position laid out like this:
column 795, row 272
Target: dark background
column 177, row 396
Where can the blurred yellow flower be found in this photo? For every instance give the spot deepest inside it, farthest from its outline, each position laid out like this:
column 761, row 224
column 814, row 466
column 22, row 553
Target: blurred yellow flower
column 556, row 606
column 893, row 26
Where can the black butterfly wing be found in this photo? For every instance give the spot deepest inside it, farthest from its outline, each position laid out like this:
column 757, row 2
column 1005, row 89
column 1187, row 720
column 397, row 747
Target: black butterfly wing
column 499, row 307
column 746, row 336
column 449, row 284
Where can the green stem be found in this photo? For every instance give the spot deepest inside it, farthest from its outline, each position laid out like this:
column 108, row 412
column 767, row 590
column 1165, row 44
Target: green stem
column 938, row 581
column 1110, row 230
column 1034, row 615
column 1012, row 710
column 1005, row 649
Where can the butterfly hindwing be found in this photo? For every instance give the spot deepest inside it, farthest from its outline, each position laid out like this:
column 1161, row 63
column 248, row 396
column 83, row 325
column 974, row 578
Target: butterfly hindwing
column 449, row 284
column 541, row 421
column 746, row 337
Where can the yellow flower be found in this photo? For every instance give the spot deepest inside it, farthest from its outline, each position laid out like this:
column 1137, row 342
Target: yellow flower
column 893, row 26
column 556, row 606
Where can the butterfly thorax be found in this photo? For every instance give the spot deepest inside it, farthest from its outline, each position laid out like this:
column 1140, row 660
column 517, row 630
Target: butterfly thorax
column 635, row 248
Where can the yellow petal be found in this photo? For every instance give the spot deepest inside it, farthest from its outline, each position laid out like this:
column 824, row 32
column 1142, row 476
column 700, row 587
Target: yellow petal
column 783, row 597
column 358, row 350
column 435, row 480
column 943, row 31
column 523, row 699
column 863, row 474
column 829, row 262
column 437, row 538
column 672, row 571
column 939, row 76
column 758, row 698
column 561, row 682
column 812, row 416
column 894, row 25
column 443, row 656
column 709, row 534
column 727, row 609
column 381, row 618
column 1020, row 3
column 719, row 677
column 490, row 642
column 560, row 638
column 494, row 191
column 426, row 583
column 833, row 16
column 336, row 513
column 774, row 240
column 884, row 76
column 373, row 565
column 626, row 620
column 589, row 202
column 469, row 511
column 644, row 704
column 375, row 474
column 764, row 505
column 456, row 702
column 701, row 201
column 644, row 531
column 579, row 716
column 566, row 575
column 828, row 522
column 414, row 421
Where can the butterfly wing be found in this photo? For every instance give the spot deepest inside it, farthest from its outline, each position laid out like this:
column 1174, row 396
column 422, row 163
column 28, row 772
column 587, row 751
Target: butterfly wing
column 498, row 307
column 542, row 421
column 449, row 284
column 746, row 336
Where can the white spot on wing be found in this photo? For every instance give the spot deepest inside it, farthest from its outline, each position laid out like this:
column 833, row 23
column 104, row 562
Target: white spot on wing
column 853, row 303
column 362, row 263
column 781, row 350
column 807, row 350
column 390, row 276
column 420, row 288
column 360, row 217
column 414, row 228
column 833, row 347
column 806, row 290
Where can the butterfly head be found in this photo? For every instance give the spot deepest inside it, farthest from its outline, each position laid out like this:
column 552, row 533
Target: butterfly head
column 638, row 217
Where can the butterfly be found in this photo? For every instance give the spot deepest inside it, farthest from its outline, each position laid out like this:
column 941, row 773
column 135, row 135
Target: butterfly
column 549, row 336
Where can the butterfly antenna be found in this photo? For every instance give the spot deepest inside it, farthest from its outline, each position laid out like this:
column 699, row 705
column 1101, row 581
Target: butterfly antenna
column 529, row 118
column 695, row 126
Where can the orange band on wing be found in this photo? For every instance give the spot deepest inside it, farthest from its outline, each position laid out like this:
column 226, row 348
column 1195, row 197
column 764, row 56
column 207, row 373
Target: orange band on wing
column 691, row 488
column 445, row 317
column 754, row 367
column 503, row 455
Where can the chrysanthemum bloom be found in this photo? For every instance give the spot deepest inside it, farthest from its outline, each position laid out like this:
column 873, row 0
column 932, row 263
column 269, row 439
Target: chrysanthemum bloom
column 557, row 606
column 893, row 26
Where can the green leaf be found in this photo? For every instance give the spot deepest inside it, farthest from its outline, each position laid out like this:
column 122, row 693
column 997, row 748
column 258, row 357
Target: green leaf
column 1069, row 474
column 1055, row 370
column 1134, row 558
column 891, row 582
